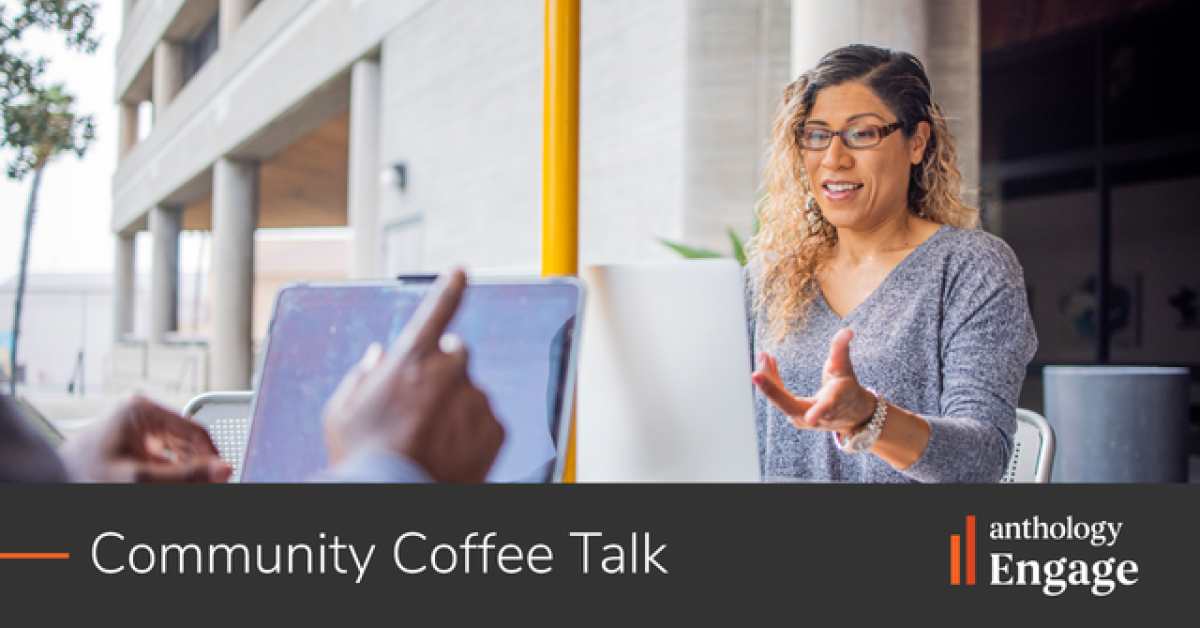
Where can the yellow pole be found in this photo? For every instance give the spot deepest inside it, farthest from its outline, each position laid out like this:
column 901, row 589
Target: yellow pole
column 560, row 157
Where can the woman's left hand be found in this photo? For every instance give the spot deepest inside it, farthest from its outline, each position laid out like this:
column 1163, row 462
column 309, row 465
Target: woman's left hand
column 841, row 404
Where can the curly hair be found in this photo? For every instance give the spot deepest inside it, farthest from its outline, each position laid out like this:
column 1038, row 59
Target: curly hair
column 788, row 253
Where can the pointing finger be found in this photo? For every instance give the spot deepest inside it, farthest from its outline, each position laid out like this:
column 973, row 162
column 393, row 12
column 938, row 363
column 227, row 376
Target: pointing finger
column 353, row 378
column 434, row 314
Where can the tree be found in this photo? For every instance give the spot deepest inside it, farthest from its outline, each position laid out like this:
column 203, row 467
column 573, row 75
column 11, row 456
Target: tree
column 39, row 122
column 42, row 128
column 18, row 71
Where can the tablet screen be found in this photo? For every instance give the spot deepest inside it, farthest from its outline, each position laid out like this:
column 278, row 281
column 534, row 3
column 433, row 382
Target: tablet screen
column 518, row 335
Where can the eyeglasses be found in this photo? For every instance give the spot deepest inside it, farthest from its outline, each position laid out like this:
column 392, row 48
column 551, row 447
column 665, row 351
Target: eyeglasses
column 857, row 135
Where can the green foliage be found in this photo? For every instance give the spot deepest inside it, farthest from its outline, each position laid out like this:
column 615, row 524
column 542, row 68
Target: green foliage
column 739, row 246
column 41, row 126
column 38, row 121
column 74, row 18
column 689, row 252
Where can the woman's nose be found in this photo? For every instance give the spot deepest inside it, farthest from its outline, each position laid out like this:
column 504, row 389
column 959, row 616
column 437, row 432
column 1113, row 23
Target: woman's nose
column 837, row 156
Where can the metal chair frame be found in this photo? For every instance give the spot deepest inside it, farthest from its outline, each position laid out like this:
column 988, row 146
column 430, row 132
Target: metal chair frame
column 1041, row 439
column 231, row 442
column 229, row 434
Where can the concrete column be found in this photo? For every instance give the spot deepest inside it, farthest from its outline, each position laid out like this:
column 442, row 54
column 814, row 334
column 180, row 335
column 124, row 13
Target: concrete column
column 819, row 26
column 953, row 67
column 773, row 70
column 363, row 202
column 127, row 128
column 125, row 285
column 168, row 75
column 235, row 217
column 737, row 62
column 165, row 224
column 233, row 13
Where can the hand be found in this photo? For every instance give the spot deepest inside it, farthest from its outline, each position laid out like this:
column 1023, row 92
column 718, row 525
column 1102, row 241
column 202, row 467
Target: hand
column 840, row 405
column 144, row 442
column 417, row 400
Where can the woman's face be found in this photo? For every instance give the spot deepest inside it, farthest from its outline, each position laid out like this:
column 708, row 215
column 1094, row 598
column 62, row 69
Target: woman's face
column 860, row 188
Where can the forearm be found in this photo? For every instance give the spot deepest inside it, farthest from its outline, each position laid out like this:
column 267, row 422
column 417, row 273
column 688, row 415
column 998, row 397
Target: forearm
column 937, row 449
column 940, row 449
column 903, row 437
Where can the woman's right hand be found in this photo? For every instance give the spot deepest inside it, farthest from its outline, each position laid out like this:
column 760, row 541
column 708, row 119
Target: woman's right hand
column 768, row 380
column 841, row 405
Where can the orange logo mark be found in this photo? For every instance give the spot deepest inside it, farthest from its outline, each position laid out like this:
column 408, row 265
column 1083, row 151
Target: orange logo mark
column 955, row 551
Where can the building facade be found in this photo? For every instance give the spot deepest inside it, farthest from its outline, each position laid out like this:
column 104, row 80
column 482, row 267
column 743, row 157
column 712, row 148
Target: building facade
column 65, row 337
column 417, row 124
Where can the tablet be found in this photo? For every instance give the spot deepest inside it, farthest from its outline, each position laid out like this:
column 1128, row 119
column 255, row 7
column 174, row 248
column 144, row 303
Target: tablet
column 519, row 333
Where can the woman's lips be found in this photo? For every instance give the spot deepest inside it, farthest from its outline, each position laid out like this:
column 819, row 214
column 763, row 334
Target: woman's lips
column 838, row 191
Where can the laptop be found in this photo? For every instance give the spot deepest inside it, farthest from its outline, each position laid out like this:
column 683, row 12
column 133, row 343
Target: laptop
column 519, row 332
column 664, row 377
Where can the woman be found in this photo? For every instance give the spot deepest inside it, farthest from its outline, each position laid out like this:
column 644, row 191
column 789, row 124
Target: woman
column 892, row 335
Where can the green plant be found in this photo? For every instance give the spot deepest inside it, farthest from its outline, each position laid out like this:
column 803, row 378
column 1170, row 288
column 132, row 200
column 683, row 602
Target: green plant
column 739, row 246
column 689, row 252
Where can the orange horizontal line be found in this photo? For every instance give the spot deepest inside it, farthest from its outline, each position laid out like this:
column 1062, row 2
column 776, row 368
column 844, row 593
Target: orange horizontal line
column 34, row 555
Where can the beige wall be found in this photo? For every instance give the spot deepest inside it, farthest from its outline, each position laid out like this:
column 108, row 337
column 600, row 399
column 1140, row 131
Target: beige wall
column 278, row 263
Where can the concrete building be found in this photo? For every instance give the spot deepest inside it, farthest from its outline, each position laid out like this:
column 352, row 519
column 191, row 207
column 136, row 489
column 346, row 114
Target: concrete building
column 65, row 319
column 176, row 366
column 417, row 123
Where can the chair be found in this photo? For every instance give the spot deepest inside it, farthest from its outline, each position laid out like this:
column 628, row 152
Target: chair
column 226, row 417
column 1033, row 450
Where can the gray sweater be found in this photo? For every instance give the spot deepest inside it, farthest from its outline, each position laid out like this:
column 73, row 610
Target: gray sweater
column 947, row 336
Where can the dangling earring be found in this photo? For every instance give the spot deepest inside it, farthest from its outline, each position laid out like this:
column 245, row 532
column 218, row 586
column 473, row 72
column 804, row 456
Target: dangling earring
column 816, row 220
column 812, row 211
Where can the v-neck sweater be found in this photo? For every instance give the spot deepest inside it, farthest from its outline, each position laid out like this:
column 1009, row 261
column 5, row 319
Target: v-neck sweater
column 947, row 335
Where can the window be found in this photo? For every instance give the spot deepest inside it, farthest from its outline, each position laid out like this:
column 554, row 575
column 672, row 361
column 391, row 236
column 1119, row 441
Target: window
column 403, row 246
column 203, row 47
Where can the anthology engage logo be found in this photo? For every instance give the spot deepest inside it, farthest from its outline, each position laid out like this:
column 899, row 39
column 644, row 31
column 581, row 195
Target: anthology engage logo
column 1056, row 575
column 955, row 554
